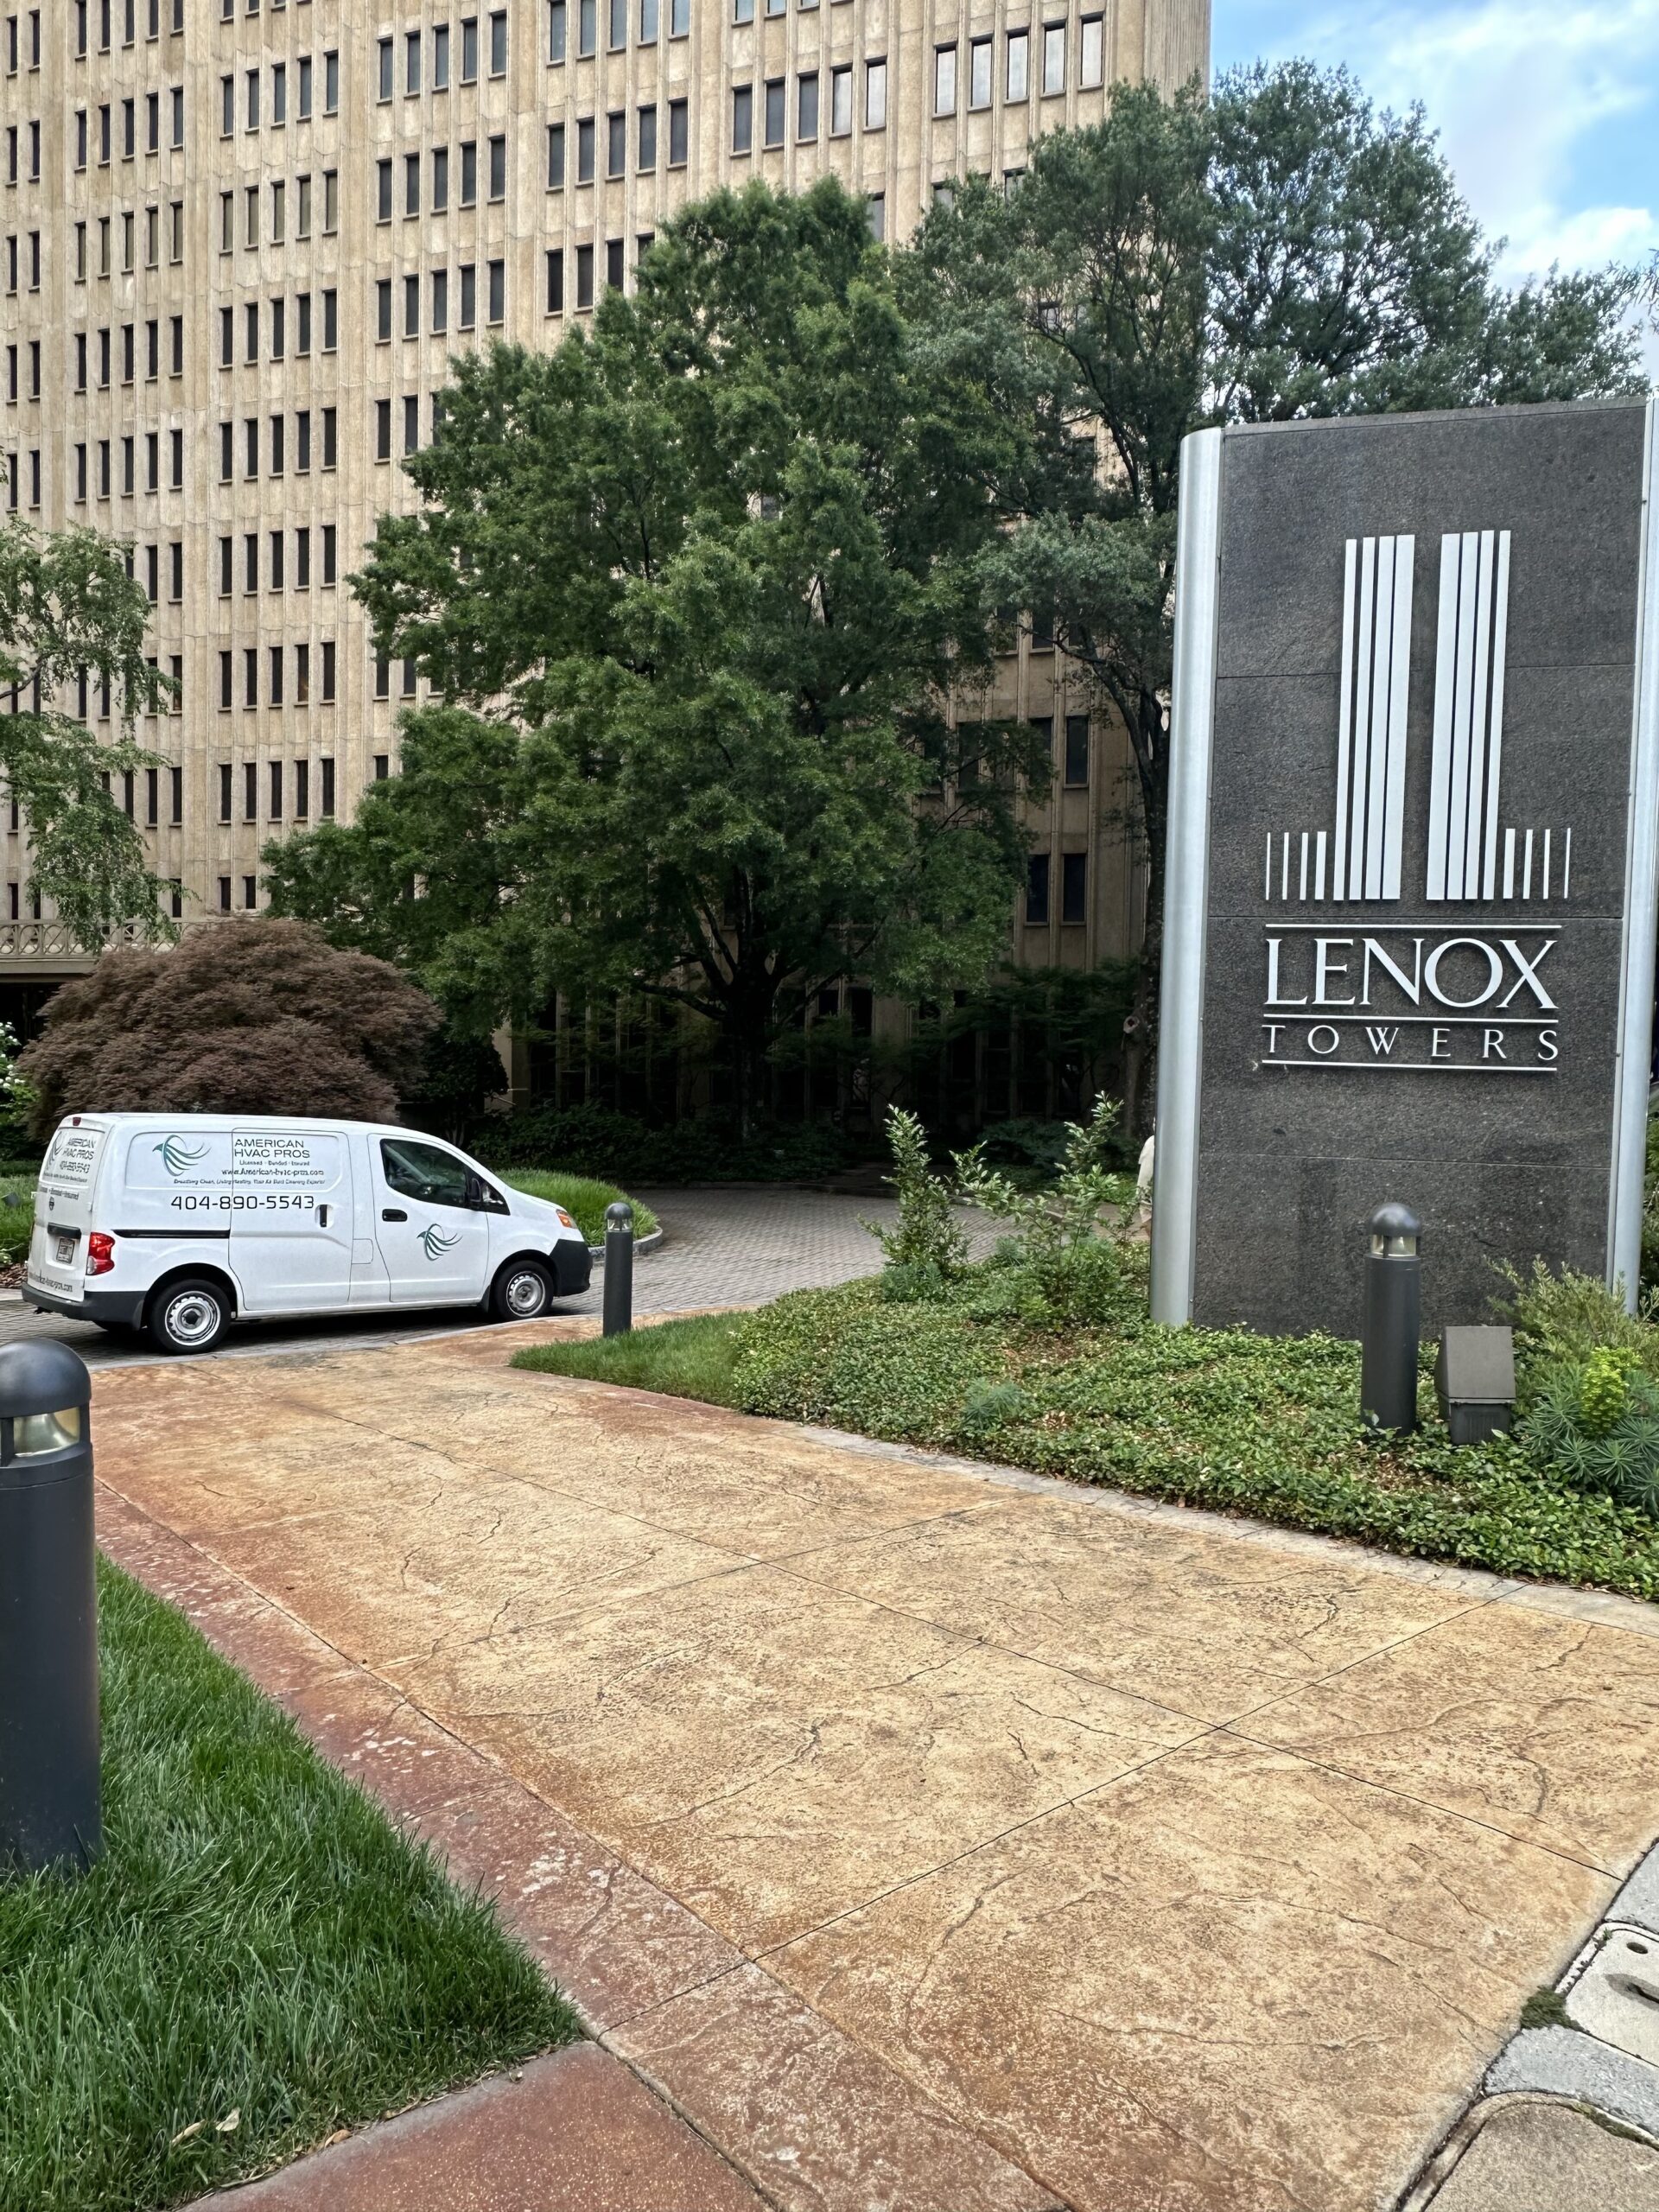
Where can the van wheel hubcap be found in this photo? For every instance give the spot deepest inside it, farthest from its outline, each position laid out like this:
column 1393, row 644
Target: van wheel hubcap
column 527, row 1294
column 192, row 1319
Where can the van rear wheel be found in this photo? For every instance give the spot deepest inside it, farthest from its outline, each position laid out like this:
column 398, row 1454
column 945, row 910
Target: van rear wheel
column 522, row 1292
column 187, row 1316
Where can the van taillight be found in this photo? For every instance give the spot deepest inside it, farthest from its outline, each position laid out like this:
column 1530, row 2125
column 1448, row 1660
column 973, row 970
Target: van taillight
column 100, row 1252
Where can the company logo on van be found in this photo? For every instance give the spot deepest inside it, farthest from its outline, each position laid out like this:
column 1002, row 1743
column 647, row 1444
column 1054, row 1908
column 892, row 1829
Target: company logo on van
column 434, row 1242
column 178, row 1156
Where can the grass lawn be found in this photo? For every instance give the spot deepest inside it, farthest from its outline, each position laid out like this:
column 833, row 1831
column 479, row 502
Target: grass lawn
column 693, row 1359
column 1245, row 1424
column 257, row 1941
column 580, row 1195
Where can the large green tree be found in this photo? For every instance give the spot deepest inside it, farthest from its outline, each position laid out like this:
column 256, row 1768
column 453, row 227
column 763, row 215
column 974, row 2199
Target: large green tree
column 696, row 590
column 1278, row 250
column 69, row 610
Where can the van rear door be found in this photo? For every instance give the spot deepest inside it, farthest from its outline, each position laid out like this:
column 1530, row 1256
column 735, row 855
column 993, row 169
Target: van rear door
column 63, row 1207
column 291, row 1219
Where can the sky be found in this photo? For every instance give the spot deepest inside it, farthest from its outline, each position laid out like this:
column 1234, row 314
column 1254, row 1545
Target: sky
column 1548, row 109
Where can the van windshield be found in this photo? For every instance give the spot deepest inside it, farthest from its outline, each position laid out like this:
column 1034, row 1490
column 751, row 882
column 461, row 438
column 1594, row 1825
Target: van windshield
column 423, row 1171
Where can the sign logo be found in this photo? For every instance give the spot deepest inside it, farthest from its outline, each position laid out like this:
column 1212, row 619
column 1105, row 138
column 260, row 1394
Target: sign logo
column 1423, row 996
column 1473, row 854
column 434, row 1242
column 178, row 1156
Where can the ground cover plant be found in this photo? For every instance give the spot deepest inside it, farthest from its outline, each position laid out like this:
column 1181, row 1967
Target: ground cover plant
column 1044, row 1356
column 258, row 1958
column 583, row 1195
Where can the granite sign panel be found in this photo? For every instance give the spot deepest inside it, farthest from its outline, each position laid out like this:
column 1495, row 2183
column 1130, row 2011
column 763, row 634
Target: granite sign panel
column 1411, row 908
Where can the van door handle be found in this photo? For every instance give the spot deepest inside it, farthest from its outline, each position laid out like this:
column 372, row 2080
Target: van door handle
column 393, row 1213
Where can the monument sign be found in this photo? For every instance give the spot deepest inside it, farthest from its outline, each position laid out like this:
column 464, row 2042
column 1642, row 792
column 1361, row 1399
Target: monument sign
column 1410, row 913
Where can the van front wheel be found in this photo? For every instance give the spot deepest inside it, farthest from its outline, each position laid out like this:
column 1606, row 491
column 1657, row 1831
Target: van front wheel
column 522, row 1292
column 187, row 1316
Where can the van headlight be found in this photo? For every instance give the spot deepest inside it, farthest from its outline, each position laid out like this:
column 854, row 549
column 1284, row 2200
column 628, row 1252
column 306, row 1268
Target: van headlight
column 568, row 1219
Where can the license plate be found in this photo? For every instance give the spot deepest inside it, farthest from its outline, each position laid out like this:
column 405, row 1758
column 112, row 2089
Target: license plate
column 63, row 1250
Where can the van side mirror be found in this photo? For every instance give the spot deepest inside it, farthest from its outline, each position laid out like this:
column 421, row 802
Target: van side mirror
column 483, row 1199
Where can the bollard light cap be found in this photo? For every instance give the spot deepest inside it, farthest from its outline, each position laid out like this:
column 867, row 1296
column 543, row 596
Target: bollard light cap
column 41, row 1376
column 1394, row 1231
column 620, row 1215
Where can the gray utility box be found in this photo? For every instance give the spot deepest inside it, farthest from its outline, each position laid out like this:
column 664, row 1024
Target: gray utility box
column 1474, row 1381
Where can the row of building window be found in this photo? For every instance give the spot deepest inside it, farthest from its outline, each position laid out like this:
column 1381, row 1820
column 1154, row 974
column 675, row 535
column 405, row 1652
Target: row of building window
column 22, row 480
column 438, row 199
column 276, row 658
column 464, row 294
column 254, row 320
column 616, row 143
column 775, row 106
column 125, row 336
column 615, row 258
column 95, row 464
column 649, row 24
column 276, row 563
column 88, row 695
column 275, row 443
column 277, row 789
column 1016, row 65
column 125, row 228
column 227, row 7
column 252, row 196
column 13, row 379
column 1074, row 888
column 427, row 56
column 256, row 110
column 152, row 797
column 103, row 134
column 23, row 42
column 23, row 260
column 19, row 137
column 154, row 12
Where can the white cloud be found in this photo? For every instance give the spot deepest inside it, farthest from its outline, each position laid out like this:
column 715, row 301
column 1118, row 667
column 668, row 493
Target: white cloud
column 1540, row 110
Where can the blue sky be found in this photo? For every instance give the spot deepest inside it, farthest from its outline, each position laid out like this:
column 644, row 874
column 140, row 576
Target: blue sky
column 1548, row 109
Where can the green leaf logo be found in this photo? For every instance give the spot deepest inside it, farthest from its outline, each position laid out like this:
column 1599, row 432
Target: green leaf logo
column 178, row 1156
column 433, row 1241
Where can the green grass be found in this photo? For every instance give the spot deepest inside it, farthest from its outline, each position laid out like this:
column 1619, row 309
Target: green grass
column 257, row 1939
column 1253, row 1424
column 580, row 1195
column 691, row 1358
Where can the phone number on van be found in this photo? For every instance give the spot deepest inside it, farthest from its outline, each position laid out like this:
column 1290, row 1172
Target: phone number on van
column 239, row 1202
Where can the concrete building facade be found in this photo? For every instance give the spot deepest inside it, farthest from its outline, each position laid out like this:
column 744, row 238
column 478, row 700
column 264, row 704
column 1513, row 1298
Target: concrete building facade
column 242, row 239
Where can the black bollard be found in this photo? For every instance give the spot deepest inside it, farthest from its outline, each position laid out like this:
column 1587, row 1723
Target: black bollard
column 619, row 1268
column 1387, row 1367
column 49, row 1808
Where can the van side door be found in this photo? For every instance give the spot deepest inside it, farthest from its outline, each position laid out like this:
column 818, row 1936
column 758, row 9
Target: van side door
column 434, row 1241
column 291, row 1219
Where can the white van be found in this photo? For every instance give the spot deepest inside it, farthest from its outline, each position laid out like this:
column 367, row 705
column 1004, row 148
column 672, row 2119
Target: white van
column 180, row 1223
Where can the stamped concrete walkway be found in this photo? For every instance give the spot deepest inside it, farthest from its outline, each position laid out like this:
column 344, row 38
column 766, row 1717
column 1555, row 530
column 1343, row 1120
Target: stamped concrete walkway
column 932, row 1839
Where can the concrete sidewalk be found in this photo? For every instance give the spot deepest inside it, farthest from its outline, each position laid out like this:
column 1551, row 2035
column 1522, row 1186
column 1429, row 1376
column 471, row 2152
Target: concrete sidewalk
column 932, row 1840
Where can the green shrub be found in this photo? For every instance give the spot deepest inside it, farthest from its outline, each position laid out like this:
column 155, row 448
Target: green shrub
column 1073, row 1274
column 597, row 1141
column 1597, row 1426
column 926, row 1238
column 581, row 1195
column 1566, row 1317
column 1604, row 1393
column 992, row 1405
column 910, row 1283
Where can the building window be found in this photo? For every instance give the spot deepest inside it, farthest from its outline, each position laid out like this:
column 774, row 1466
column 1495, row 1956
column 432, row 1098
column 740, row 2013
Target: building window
column 382, row 430
column 1037, row 891
column 1053, row 60
column 383, row 309
column 558, row 13
column 440, row 302
column 806, row 107
column 224, row 894
column 499, row 44
column 439, row 179
column 1091, row 53
column 840, row 102
column 328, row 690
column 616, row 25
column 649, row 16
column 679, row 18
column 876, row 96
column 497, row 168
column 498, row 291
column 469, row 295
column 679, row 134
column 1076, row 749
column 647, row 139
column 469, row 172
column 556, row 158
column 616, row 144
column 411, row 184
column 555, row 281
column 441, row 57
column 614, row 270
column 875, row 215
column 383, row 82
column 586, row 28
column 411, row 61
column 944, row 80
column 584, row 277
column 1018, row 86
column 773, row 120
column 250, row 891
column 1074, row 888
column 585, row 143
column 326, row 766
column 411, row 307
column 742, row 118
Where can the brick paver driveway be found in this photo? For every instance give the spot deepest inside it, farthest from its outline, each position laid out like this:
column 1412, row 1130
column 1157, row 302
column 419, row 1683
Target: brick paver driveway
column 724, row 1246
column 938, row 1842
